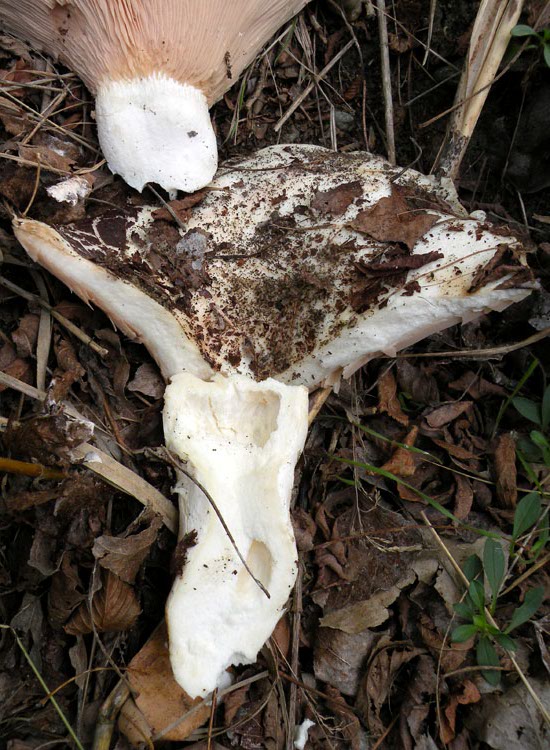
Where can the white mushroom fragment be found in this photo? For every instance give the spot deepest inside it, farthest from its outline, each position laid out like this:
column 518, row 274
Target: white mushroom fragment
column 298, row 265
column 155, row 67
column 242, row 440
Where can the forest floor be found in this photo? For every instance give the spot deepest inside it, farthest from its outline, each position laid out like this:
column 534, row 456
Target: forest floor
column 368, row 651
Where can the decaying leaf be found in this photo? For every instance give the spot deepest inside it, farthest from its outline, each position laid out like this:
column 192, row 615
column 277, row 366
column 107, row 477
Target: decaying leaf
column 387, row 396
column 369, row 613
column 447, row 413
column 124, row 556
column 505, row 471
column 114, row 608
column 336, row 200
column 66, row 593
column 159, row 700
column 339, row 657
column 510, row 721
column 380, row 681
column 148, row 381
column 468, row 693
column 395, row 219
column 403, row 462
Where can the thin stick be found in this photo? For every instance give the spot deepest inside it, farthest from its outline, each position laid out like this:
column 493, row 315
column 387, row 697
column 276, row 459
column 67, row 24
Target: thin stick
column 26, row 469
column 491, row 352
column 529, row 572
column 294, row 660
column 18, row 385
column 178, row 464
column 489, row 617
column 386, row 78
column 316, row 403
column 69, row 325
column 309, row 88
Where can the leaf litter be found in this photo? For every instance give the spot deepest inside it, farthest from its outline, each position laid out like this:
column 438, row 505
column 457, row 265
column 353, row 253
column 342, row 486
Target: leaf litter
column 84, row 572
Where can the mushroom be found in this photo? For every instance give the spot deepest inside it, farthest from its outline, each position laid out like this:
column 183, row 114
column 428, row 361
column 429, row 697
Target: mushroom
column 155, row 68
column 297, row 267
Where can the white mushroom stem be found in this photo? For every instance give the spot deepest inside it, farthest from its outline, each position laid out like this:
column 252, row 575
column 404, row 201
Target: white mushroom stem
column 155, row 129
column 242, row 440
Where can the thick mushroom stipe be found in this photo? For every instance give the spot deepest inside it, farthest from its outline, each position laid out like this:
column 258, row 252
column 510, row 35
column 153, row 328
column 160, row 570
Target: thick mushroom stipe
column 242, row 440
column 154, row 129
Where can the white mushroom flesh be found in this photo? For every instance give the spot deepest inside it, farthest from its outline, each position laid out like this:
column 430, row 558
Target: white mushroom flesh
column 154, row 129
column 242, row 440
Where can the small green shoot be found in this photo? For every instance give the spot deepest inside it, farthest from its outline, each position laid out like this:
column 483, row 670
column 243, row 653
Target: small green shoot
column 541, row 40
column 475, row 607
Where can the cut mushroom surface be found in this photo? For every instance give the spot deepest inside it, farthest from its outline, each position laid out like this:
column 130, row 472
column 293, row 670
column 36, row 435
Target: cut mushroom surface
column 242, row 440
column 296, row 264
column 155, row 67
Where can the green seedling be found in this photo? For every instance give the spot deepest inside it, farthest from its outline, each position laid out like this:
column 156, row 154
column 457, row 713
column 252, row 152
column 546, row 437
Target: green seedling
column 541, row 40
column 479, row 611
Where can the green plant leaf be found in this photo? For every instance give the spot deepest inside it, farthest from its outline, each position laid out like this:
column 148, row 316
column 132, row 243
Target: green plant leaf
column 463, row 633
column 464, row 609
column 477, row 594
column 472, row 568
column 523, row 30
column 528, row 409
column 526, row 515
column 533, row 600
column 506, row 642
column 494, row 565
column 487, row 657
column 539, row 439
column 546, row 54
column 545, row 407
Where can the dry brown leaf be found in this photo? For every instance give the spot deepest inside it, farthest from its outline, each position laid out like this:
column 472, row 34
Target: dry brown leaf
column 148, row 381
column 338, row 657
column 25, row 335
column 403, row 462
column 468, row 694
column 392, row 219
column 336, row 200
column 452, row 655
column 464, row 496
column 45, row 156
column 447, row 413
column 380, row 679
column 160, row 700
column 124, row 556
column 66, row 593
column 115, row 608
column 387, row 396
column 505, row 471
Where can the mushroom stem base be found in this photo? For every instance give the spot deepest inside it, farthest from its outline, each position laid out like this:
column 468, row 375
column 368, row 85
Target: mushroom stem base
column 156, row 129
column 241, row 440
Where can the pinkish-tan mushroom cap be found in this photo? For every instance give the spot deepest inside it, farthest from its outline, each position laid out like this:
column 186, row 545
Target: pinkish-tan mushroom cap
column 155, row 67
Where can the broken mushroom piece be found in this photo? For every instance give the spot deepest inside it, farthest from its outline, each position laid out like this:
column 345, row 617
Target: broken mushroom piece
column 242, row 440
column 155, row 68
column 299, row 265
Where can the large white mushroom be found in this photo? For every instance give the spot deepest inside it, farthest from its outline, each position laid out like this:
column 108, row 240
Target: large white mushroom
column 298, row 265
column 155, row 68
